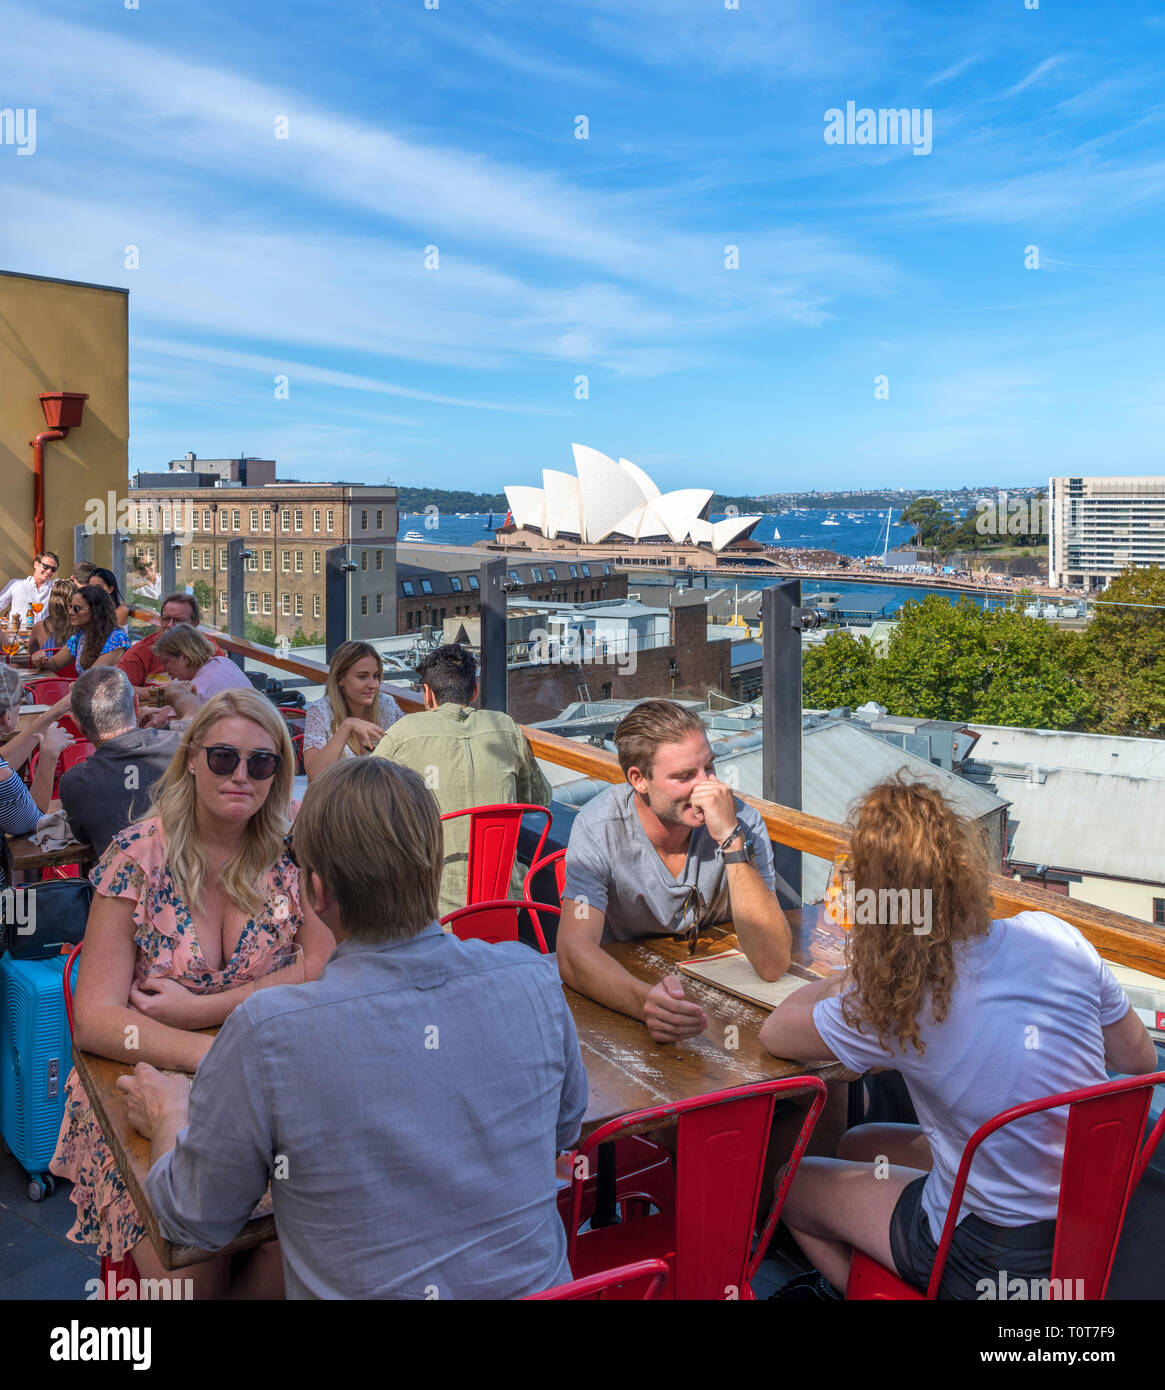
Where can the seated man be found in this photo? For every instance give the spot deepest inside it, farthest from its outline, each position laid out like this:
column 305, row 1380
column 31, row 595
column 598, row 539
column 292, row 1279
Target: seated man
column 141, row 662
column 468, row 757
column 669, row 852
column 407, row 1105
column 111, row 788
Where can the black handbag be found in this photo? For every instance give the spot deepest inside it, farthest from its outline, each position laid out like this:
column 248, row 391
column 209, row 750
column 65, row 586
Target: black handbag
column 39, row 918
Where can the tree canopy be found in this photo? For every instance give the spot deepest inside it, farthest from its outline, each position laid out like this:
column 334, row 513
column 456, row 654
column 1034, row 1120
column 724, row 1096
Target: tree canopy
column 1125, row 653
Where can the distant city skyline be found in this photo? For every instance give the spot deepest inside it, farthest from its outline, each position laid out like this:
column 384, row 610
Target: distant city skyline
column 825, row 245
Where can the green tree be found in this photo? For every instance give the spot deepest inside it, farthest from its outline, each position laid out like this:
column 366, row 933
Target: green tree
column 262, row 633
column 307, row 639
column 1125, row 646
column 838, row 672
column 205, row 596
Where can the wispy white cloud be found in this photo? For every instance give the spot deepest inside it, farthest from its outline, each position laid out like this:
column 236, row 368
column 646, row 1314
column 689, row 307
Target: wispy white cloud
column 1038, row 72
column 953, row 71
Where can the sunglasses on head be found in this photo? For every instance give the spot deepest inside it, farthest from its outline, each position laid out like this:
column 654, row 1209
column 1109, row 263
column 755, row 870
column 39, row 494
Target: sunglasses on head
column 222, row 760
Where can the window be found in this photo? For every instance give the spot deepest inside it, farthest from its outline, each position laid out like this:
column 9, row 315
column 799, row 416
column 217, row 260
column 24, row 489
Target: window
column 222, row 602
column 166, row 519
column 315, row 605
column 380, row 559
column 206, row 518
column 299, row 562
column 606, row 569
column 285, row 602
column 406, row 587
column 253, row 562
column 224, row 518
column 299, row 605
column 426, row 586
column 206, row 557
column 455, row 583
column 380, row 603
column 222, row 557
column 550, row 572
column 364, row 520
column 537, row 576
column 254, row 518
column 315, row 562
column 1159, row 911
column 284, row 519
column 515, row 577
column 177, row 557
column 267, row 561
column 266, row 518
column 363, row 605
column 236, row 519
column 587, row 571
column 474, row 582
column 252, row 603
column 315, row 519
column 364, row 559
column 379, row 520
column 285, row 561
column 194, row 558
column 329, row 519
column 193, row 519
column 298, row 518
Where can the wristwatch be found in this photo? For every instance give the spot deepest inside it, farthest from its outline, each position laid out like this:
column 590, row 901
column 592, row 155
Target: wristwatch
column 743, row 855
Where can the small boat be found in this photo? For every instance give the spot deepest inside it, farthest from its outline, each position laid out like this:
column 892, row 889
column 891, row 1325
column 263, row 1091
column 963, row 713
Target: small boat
column 489, row 525
column 413, row 536
column 829, row 521
column 776, row 534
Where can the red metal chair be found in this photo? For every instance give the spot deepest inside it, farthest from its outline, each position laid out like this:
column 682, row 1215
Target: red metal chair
column 721, row 1142
column 653, row 1274
column 644, row 1177
column 1101, row 1168
column 493, row 847
column 558, row 860
column 70, row 757
column 113, row 1272
column 48, row 689
column 495, row 921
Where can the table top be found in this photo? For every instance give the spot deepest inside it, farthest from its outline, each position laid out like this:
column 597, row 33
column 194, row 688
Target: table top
column 627, row 1070
column 27, row 855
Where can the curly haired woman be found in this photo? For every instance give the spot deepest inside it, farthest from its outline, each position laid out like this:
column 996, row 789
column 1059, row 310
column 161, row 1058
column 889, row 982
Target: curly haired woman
column 978, row 1015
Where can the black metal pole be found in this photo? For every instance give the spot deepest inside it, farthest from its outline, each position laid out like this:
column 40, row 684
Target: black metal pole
column 82, row 545
column 169, row 565
column 237, row 554
column 492, row 676
column 337, row 627
column 781, row 721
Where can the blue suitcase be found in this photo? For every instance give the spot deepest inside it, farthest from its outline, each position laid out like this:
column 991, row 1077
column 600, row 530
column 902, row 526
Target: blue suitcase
column 36, row 1056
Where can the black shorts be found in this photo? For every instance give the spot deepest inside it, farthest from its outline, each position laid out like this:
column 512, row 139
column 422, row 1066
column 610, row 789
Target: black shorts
column 979, row 1249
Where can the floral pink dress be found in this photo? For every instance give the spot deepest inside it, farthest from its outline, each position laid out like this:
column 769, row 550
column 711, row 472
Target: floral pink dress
column 134, row 867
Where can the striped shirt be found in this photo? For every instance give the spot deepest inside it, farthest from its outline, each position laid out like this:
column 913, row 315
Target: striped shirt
column 18, row 811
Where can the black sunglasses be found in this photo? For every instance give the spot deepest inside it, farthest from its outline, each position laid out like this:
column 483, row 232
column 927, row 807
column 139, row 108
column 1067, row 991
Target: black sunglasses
column 222, row 760
column 694, row 908
column 52, row 569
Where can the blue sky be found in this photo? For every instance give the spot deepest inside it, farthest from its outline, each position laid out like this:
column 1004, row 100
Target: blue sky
column 411, row 127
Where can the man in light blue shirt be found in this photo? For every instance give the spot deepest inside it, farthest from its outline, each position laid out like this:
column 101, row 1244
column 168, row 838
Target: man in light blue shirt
column 406, row 1107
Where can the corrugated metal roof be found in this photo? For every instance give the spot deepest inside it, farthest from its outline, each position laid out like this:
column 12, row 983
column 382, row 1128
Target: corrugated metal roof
column 1107, row 753
column 1087, row 821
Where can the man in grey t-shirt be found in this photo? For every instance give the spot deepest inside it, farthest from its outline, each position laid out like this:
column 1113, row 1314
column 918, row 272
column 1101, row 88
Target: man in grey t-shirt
column 671, row 851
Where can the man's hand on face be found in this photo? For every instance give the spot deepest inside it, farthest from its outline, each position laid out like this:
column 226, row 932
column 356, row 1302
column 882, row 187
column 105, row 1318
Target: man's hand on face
column 669, row 1015
column 716, row 803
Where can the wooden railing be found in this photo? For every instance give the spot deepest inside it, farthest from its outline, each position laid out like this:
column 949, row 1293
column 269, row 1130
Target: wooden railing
column 1118, row 938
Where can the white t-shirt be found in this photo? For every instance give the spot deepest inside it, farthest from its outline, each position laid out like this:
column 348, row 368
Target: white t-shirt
column 1025, row 1017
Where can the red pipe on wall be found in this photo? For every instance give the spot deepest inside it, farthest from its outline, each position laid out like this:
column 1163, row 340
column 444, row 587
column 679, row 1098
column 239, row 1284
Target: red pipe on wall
column 38, row 444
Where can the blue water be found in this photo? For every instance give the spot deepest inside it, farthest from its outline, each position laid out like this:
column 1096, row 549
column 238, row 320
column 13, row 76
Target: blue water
column 860, row 536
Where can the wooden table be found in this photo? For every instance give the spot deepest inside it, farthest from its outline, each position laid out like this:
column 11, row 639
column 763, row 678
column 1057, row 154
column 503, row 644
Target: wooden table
column 627, row 1070
column 28, row 857
column 131, row 1152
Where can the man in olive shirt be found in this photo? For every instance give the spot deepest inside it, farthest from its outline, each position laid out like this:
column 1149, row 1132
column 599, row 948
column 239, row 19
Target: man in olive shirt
column 468, row 757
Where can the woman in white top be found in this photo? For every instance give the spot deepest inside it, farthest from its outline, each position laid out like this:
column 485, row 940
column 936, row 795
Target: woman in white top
column 352, row 717
column 977, row 1015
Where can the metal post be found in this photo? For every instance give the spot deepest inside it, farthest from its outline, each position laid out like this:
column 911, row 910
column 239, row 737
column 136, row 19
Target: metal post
column 169, row 566
column 120, row 542
column 238, row 554
column 337, row 597
column 781, row 721
column 82, row 544
column 492, row 609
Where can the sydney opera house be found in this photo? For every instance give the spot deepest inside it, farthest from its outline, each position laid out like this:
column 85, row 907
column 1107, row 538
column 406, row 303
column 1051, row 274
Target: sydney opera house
column 617, row 509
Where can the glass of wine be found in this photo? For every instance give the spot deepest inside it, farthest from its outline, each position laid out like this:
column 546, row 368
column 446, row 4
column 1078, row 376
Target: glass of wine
column 11, row 645
column 286, row 969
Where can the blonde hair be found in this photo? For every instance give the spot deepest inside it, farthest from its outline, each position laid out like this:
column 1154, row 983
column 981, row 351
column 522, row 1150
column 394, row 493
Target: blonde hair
column 57, row 622
column 175, row 800
column 371, row 829
column 187, row 642
column 346, row 655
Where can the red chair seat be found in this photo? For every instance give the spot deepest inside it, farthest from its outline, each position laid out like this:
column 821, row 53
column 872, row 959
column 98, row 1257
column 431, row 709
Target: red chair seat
column 650, row 1238
column 651, row 1275
column 870, row 1280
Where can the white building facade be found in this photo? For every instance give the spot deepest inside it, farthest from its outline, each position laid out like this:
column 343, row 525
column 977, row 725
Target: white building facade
column 1101, row 526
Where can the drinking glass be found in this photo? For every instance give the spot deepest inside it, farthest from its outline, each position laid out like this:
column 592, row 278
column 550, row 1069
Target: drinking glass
column 11, row 645
column 290, row 962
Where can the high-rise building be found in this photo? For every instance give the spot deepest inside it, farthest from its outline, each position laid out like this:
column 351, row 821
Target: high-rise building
column 1101, row 526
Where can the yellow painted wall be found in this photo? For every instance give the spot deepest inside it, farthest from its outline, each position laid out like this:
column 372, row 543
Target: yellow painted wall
column 59, row 336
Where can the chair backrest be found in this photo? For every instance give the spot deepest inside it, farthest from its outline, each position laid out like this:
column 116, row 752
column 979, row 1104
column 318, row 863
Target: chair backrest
column 1103, row 1161
column 48, row 690
column 496, row 921
column 76, row 753
column 67, row 983
column 493, row 847
column 557, row 860
column 721, row 1142
column 652, row 1273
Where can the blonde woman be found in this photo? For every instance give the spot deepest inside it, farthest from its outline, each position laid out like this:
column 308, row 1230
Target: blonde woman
column 187, row 656
column 352, row 717
column 193, row 904
column 54, row 627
